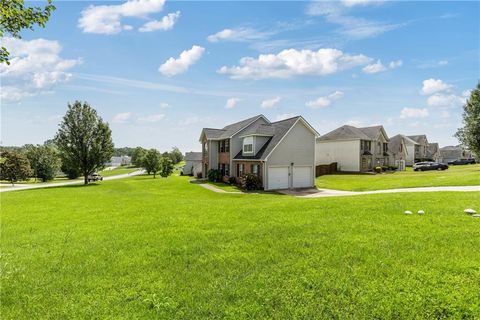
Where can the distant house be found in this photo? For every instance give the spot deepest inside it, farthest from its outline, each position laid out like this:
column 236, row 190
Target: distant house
column 281, row 153
column 433, row 151
column 354, row 149
column 119, row 161
column 397, row 146
column 421, row 147
column 193, row 163
column 452, row 153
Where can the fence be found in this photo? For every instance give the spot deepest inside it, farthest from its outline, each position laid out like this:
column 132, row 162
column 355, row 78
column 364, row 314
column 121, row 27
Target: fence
column 324, row 169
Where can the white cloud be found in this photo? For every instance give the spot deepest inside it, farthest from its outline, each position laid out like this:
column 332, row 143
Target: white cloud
column 352, row 27
column 122, row 117
column 379, row 67
column 166, row 23
column 445, row 100
column 431, row 86
column 152, row 118
column 187, row 58
column 444, row 114
column 395, row 64
column 292, row 62
column 231, row 103
column 374, row 67
column 325, row 101
column 413, row 113
column 165, row 105
column 270, row 103
column 35, row 67
column 239, row 34
column 106, row 19
column 284, row 116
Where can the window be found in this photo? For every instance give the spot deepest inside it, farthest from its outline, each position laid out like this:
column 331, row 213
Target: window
column 227, row 169
column 205, row 146
column 227, row 145
column 224, row 169
column 240, row 169
column 255, row 169
column 385, row 147
column 365, row 145
column 224, row 146
column 248, row 148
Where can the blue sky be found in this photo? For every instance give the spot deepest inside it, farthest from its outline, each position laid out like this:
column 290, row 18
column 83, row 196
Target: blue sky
column 159, row 72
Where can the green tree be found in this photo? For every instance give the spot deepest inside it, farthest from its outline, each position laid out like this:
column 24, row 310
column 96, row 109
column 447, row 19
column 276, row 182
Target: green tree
column 176, row 155
column 137, row 156
column 166, row 167
column 152, row 162
column 14, row 167
column 469, row 135
column 84, row 140
column 15, row 16
column 44, row 160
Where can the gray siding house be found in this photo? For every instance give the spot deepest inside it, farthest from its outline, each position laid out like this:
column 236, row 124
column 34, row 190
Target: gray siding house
column 193, row 163
column 281, row 153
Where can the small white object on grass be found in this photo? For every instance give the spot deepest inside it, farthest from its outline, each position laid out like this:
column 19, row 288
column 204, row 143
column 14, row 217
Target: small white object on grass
column 470, row 211
column 408, row 212
column 421, row 212
column 476, row 215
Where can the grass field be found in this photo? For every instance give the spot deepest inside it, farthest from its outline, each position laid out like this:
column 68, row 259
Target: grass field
column 454, row 176
column 143, row 248
column 117, row 171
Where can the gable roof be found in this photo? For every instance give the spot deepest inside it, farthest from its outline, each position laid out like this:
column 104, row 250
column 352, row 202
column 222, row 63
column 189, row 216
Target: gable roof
column 418, row 138
column 374, row 131
column 259, row 129
column 193, row 156
column 229, row 130
column 279, row 130
column 395, row 142
column 345, row 132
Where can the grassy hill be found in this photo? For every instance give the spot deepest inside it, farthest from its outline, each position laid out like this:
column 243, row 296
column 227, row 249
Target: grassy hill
column 168, row 249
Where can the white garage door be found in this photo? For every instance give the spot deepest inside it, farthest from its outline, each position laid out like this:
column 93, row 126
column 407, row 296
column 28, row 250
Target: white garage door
column 278, row 178
column 302, row 177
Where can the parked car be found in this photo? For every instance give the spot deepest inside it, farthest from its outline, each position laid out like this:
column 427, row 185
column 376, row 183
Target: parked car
column 462, row 161
column 424, row 166
column 95, row 177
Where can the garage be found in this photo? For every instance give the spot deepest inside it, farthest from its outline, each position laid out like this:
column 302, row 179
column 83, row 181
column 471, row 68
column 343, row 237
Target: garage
column 302, row 176
column 278, row 177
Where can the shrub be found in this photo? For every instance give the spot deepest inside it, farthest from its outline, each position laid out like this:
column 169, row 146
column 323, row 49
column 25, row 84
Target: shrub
column 393, row 167
column 385, row 168
column 378, row 169
column 214, row 175
column 199, row 175
column 232, row 180
column 252, row 182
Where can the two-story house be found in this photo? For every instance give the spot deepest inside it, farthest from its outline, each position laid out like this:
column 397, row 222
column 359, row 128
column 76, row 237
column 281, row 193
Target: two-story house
column 354, row 149
column 421, row 147
column 433, row 151
column 281, row 153
column 397, row 146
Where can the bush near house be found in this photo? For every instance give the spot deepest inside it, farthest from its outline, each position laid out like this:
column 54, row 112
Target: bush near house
column 214, row 175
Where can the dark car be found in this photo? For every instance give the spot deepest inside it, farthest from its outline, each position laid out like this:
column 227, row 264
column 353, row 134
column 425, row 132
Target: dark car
column 431, row 166
column 460, row 162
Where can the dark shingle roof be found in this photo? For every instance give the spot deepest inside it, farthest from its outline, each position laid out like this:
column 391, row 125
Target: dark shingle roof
column 279, row 128
column 259, row 128
column 228, row 131
column 371, row 132
column 193, row 156
column 345, row 132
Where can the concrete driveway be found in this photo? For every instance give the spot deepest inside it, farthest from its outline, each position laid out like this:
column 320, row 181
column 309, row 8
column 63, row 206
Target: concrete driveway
column 320, row 193
column 16, row 187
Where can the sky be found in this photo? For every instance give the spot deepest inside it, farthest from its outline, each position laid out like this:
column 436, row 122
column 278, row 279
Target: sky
column 160, row 71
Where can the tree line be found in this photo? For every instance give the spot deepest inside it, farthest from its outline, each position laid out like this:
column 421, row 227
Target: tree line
column 81, row 147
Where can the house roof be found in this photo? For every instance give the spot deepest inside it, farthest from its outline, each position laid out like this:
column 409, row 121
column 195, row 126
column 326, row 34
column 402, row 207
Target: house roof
column 259, row 129
column 228, row 131
column 279, row 129
column 418, row 138
column 345, row 132
column 374, row 131
column 193, row 156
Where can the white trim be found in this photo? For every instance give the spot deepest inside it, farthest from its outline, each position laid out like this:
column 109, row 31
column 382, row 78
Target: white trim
column 256, row 135
column 258, row 160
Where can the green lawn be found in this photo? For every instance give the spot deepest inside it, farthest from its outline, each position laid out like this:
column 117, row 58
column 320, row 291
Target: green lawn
column 454, row 176
column 225, row 186
column 117, row 171
column 143, row 248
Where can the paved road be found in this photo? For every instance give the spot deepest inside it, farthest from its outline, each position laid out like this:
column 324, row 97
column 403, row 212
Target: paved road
column 320, row 193
column 8, row 187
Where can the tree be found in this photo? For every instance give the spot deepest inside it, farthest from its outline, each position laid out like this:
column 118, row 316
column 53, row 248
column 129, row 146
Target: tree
column 167, row 167
column 469, row 135
column 14, row 167
column 14, row 17
column 137, row 156
column 44, row 160
column 84, row 140
column 152, row 162
column 176, row 155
